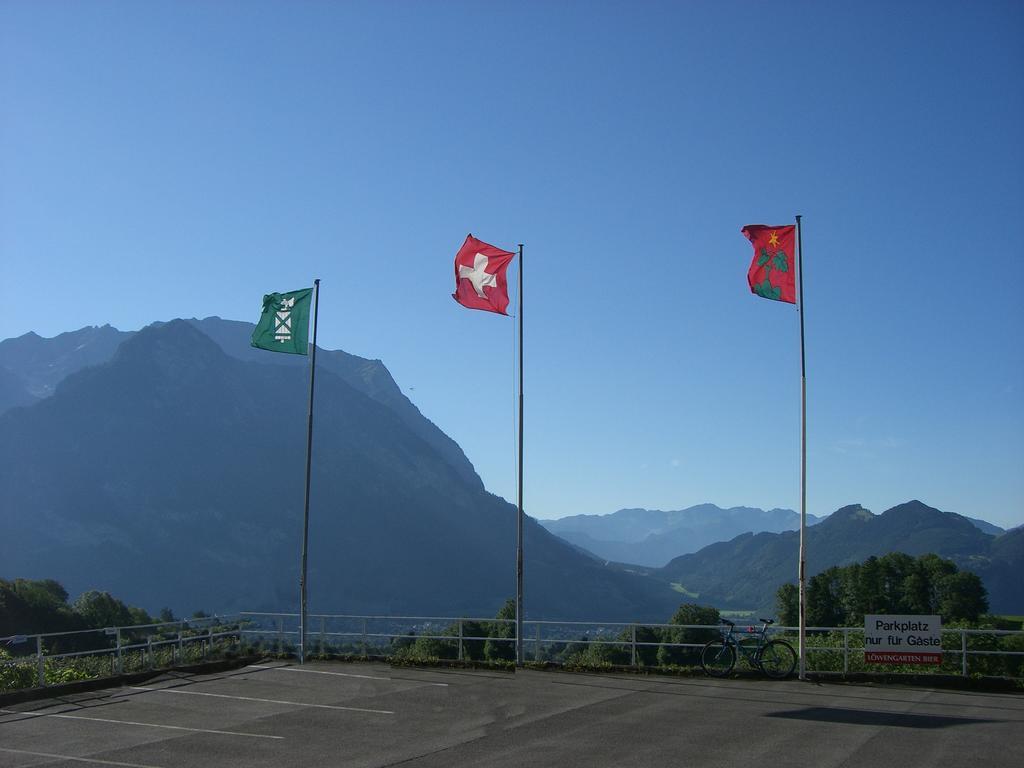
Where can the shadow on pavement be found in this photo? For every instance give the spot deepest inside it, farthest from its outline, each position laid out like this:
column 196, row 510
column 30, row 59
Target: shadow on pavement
column 872, row 717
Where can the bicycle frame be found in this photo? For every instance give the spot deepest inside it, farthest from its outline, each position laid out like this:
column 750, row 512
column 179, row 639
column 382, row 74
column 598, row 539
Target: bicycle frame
column 752, row 656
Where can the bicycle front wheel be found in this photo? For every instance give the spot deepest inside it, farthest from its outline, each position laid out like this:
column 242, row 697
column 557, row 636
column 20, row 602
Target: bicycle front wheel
column 777, row 659
column 718, row 658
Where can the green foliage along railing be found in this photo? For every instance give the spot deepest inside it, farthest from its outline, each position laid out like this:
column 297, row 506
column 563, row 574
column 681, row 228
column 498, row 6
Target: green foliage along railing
column 965, row 652
column 577, row 645
column 28, row 661
column 50, row 659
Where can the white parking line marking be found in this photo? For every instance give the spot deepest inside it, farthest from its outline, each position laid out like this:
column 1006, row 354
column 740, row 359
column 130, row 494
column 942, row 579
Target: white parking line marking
column 77, row 759
column 265, row 701
column 346, row 674
column 336, row 674
column 145, row 725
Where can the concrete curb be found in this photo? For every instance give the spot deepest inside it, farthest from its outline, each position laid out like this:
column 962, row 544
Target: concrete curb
column 84, row 686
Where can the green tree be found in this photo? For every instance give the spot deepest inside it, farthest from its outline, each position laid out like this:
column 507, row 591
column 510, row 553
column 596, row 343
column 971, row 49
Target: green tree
column 646, row 655
column 14, row 611
column 916, row 593
column 432, row 648
column 895, row 583
column 101, row 609
column 29, row 607
column 502, row 651
column 961, row 596
column 867, row 592
column 824, row 599
column 897, row 568
column 45, row 593
column 139, row 616
column 688, row 613
column 473, row 650
column 787, row 600
column 589, row 655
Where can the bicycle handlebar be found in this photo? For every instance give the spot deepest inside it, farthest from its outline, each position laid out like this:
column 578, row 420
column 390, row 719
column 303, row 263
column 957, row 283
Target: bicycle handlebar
column 767, row 622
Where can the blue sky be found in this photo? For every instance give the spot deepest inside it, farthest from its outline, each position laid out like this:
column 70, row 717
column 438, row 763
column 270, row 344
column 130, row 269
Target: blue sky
column 181, row 159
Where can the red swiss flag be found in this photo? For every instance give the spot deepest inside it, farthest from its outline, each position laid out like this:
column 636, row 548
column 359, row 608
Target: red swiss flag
column 480, row 281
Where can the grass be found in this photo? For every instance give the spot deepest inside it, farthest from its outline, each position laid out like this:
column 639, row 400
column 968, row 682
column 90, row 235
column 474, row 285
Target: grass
column 676, row 586
column 737, row 614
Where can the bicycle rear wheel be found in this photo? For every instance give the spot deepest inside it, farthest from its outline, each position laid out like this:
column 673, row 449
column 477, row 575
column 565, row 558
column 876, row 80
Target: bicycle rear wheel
column 718, row 658
column 777, row 659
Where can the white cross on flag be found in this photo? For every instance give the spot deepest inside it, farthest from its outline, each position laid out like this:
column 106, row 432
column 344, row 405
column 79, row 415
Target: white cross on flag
column 480, row 281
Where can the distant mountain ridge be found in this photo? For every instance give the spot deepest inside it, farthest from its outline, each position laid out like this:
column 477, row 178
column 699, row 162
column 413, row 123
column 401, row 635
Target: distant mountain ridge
column 171, row 474
column 746, row 572
column 986, row 526
column 652, row 537
column 32, row 366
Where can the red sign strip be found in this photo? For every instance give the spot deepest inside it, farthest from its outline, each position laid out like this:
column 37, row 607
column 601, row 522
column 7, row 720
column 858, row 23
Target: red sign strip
column 901, row 657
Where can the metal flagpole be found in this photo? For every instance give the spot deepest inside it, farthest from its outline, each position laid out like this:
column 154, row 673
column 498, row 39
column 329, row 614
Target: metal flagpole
column 519, row 522
column 803, row 458
column 309, row 456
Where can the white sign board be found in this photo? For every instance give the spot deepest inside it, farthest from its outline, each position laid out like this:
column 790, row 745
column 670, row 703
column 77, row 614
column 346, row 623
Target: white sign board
column 903, row 639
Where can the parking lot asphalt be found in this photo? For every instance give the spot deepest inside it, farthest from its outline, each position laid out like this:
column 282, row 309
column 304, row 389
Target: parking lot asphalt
column 333, row 714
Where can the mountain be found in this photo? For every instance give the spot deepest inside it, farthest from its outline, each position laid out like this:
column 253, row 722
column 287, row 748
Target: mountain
column 43, row 363
column 172, row 475
column 370, row 377
column 747, row 571
column 1001, row 571
column 14, row 391
column 40, row 364
column 652, row 537
column 987, row 527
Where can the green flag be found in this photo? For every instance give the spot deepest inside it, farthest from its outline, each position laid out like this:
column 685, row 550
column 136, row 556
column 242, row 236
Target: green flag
column 284, row 324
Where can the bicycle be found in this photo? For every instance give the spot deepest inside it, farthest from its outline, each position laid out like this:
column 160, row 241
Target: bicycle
column 775, row 658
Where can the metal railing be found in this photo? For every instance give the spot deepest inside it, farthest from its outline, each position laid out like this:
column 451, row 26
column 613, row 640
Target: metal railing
column 956, row 642
column 59, row 657
column 830, row 650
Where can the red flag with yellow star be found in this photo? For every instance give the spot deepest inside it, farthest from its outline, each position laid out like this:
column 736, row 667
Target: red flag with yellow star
column 772, row 273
